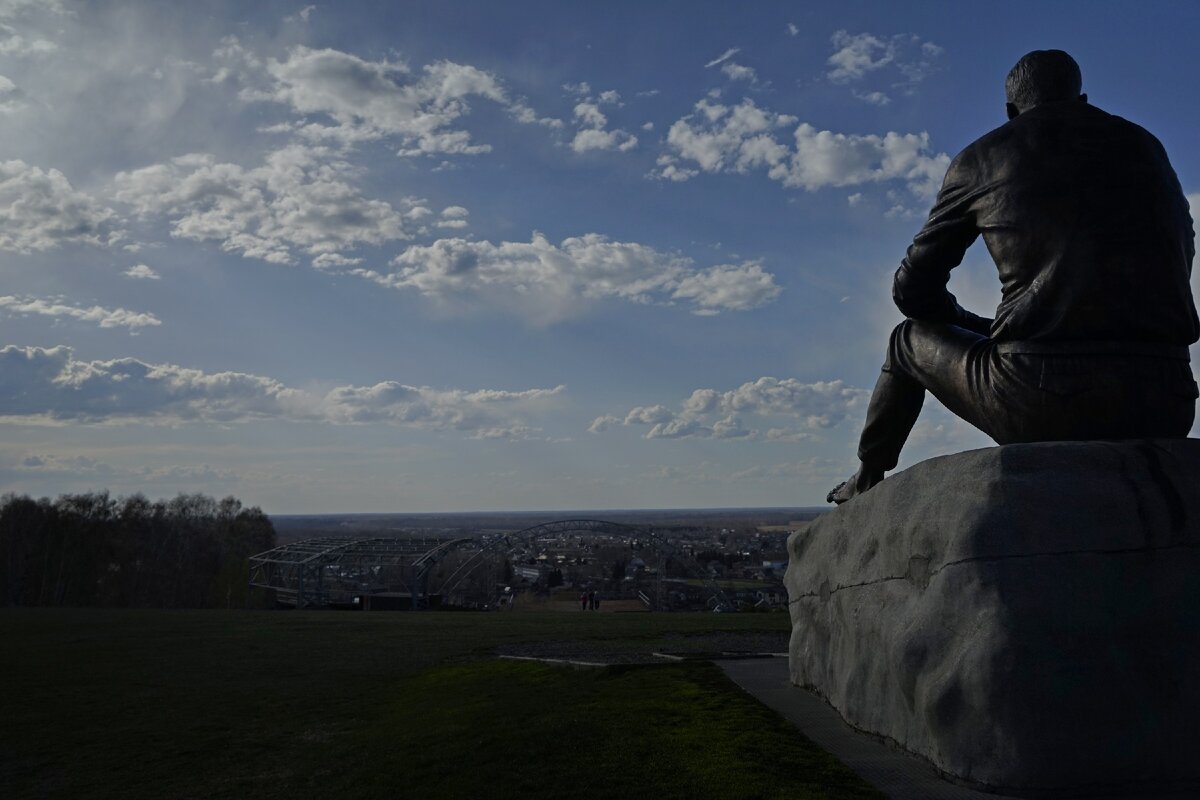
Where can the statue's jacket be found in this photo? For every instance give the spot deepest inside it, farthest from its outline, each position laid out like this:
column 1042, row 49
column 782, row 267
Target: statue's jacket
column 1089, row 229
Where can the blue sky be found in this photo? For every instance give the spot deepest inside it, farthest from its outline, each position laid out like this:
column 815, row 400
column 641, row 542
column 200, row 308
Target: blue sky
column 463, row 256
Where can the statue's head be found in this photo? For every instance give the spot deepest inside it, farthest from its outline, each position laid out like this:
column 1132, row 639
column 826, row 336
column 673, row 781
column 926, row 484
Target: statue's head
column 1043, row 76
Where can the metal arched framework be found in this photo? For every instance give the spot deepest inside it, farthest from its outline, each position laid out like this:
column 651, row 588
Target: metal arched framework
column 331, row 571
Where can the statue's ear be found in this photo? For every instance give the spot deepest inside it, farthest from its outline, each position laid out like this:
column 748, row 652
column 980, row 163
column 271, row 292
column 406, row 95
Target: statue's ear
column 1083, row 97
column 1011, row 110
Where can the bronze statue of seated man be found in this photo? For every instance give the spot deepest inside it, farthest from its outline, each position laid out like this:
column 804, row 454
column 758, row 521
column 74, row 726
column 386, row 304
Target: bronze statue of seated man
column 1092, row 237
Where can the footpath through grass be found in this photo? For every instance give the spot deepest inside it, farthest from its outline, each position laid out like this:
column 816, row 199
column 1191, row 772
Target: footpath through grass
column 145, row 704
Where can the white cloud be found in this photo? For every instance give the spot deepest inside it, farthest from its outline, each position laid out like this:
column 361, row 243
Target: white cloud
column 810, row 470
column 48, row 385
column 331, row 260
column 303, row 14
column 473, row 412
column 669, row 169
column 649, row 415
column 141, row 272
column 857, row 55
column 601, row 424
column 104, row 317
column 874, row 98
column 11, row 98
column 739, row 72
column 48, row 465
column 732, row 70
column 790, row 435
column 728, row 54
column 23, row 23
column 730, row 428
column 792, row 29
column 301, row 198
column 720, row 138
column 453, row 217
column 592, row 133
column 817, row 406
column 375, row 99
column 546, row 283
column 723, row 138
column 824, row 158
column 39, row 209
column 737, row 288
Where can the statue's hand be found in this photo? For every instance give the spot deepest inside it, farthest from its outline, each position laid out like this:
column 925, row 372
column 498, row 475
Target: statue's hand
column 973, row 322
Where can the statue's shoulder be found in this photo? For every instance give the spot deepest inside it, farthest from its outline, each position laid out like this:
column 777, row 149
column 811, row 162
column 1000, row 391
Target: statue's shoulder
column 981, row 152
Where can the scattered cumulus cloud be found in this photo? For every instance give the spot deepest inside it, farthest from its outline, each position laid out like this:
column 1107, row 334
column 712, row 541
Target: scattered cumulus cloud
column 453, row 217
column 905, row 58
column 856, row 55
column 546, row 282
column 792, row 30
column 39, row 210
column 713, row 414
column 104, row 317
column 874, row 98
column 592, row 131
column 141, row 272
column 24, row 25
column 300, row 199
column 347, row 99
column 50, row 386
column 733, row 70
column 739, row 72
column 11, row 98
column 744, row 137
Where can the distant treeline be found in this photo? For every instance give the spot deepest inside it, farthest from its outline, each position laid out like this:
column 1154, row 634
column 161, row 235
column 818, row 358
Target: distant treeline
column 95, row 550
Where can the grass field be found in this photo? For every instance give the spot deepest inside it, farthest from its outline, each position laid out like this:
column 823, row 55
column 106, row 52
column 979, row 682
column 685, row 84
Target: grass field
column 146, row 704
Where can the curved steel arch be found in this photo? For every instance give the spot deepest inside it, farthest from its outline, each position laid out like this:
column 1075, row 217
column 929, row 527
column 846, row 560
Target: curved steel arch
column 297, row 570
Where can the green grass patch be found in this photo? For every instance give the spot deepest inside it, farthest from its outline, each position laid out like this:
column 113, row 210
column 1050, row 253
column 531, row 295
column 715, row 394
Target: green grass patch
column 145, row 704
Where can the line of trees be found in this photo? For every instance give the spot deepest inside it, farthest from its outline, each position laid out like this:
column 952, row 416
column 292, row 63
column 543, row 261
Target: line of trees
column 95, row 550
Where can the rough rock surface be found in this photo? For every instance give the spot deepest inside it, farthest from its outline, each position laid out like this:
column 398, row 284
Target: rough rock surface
column 1026, row 617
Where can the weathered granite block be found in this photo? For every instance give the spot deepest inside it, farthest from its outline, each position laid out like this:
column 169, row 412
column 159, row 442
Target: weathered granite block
column 1026, row 617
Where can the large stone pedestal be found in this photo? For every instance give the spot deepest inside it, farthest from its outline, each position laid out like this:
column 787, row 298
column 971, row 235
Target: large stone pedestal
column 1025, row 617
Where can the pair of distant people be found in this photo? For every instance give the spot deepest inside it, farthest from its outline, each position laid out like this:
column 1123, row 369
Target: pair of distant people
column 589, row 600
column 1092, row 237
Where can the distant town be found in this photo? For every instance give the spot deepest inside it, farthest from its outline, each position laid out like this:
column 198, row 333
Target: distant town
column 718, row 560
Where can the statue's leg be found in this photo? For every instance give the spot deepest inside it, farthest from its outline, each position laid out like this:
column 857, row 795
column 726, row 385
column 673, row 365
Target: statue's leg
column 921, row 356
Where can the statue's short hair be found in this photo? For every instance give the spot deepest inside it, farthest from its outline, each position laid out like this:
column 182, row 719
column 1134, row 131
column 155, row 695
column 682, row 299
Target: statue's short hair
column 1043, row 76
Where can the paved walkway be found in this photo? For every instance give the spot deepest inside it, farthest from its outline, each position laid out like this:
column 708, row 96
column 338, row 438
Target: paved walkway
column 895, row 773
column 898, row 775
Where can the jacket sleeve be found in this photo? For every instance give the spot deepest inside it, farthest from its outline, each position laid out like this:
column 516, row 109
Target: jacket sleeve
column 919, row 287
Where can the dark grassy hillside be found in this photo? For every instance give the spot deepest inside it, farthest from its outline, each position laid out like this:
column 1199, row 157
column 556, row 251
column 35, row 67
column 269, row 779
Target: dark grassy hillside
column 158, row 704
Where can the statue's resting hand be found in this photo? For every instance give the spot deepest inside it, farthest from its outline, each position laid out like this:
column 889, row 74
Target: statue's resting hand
column 973, row 322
